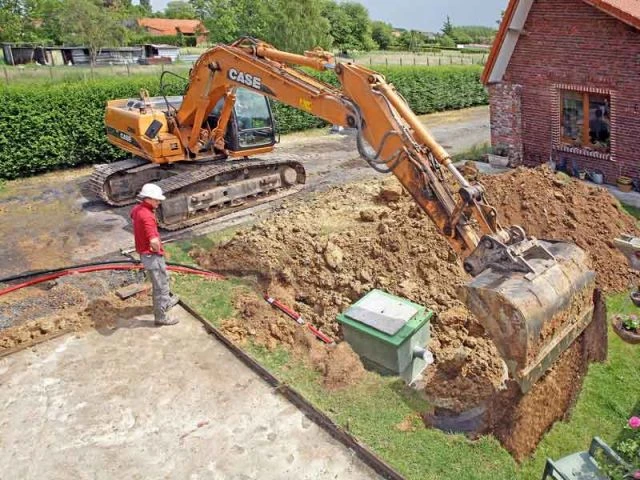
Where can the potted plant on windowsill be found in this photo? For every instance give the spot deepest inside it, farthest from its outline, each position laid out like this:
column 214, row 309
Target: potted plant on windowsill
column 499, row 156
column 627, row 327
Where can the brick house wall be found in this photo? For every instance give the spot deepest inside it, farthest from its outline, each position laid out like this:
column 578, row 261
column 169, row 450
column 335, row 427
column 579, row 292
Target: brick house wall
column 505, row 104
column 569, row 45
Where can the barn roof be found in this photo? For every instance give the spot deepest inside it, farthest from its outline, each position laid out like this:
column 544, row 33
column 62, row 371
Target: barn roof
column 171, row 26
column 628, row 11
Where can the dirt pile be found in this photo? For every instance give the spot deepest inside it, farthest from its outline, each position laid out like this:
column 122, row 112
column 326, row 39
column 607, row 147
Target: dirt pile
column 338, row 365
column 322, row 253
column 556, row 207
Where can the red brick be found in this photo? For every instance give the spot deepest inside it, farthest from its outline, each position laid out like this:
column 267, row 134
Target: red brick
column 569, row 42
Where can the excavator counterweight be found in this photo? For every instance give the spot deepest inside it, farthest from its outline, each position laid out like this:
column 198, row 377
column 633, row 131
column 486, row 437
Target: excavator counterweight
column 532, row 296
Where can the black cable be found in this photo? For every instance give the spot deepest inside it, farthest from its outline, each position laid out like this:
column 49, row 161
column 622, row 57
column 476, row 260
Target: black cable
column 374, row 160
column 162, row 92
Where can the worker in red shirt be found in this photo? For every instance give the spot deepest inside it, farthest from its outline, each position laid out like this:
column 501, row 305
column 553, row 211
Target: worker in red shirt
column 149, row 246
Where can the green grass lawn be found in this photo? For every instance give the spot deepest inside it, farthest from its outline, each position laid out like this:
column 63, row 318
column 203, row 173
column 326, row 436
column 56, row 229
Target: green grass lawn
column 372, row 410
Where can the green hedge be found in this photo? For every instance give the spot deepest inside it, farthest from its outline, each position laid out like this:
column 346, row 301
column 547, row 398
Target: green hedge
column 43, row 127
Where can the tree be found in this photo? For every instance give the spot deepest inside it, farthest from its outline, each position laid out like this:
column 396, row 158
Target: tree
column 447, row 28
column 350, row 25
column 220, row 17
column 179, row 9
column 382, row 34
column 475, row 33
column 227, row 20
column 412, row 40
column 446, row 41
column 12, row 13
column 299, row 26
column 87, row 23
column 18, row 20
column 145, row 5
column 461, row 37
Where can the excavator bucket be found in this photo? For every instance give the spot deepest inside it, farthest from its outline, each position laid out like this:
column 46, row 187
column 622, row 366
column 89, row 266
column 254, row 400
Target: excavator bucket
column 534, row 316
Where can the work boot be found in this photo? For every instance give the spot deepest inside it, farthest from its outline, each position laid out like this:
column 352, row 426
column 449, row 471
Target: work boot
column 173, row 301
column 167, row 321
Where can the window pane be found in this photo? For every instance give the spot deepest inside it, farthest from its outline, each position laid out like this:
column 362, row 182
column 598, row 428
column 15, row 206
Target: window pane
column 251, row 110
column 572, row 116
column 599, row 122
column 254, row 121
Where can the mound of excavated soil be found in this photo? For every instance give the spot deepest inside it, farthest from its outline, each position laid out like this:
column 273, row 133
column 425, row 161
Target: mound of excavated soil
column 321, row 254
column 556, row 207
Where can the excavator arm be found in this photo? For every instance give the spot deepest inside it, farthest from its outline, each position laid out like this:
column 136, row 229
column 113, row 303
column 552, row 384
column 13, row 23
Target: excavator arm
column 365, row 102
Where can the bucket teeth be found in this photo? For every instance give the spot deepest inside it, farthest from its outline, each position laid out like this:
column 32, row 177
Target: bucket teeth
column 533, row 318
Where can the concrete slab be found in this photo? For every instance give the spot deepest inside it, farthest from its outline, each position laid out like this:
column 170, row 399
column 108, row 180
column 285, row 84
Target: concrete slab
column 138, row 401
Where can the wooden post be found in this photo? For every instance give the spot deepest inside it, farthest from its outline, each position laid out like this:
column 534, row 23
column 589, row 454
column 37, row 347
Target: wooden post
column 128, row 71
column 427, row 61
column 370, row 61
column 414, row 60
column 6, row 75
column 91, row 66
column 51, row 72
column 386, row 61
column 400, row 61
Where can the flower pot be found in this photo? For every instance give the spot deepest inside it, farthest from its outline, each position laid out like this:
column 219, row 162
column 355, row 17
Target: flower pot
column 498, row 160
column 635, row 297
column 625, row 335
column 625, row 184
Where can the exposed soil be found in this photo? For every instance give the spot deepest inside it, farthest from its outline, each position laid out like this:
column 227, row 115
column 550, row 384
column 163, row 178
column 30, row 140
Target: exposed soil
column 29, row 304
column 526, row 417
column 555, row 207
column 75, row 313
column 339, row 366
column 322, row 254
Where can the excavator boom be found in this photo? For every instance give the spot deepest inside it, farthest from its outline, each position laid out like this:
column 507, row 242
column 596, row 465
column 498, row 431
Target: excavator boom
column 533, row 297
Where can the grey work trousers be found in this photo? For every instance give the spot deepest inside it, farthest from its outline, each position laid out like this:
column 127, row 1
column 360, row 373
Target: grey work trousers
column 156, row 268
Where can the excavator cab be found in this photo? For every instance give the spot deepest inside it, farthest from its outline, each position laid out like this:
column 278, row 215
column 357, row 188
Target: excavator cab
column 251, row 125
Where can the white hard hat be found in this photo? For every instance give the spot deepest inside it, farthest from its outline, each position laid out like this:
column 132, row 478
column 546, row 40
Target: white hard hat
column 150, row 190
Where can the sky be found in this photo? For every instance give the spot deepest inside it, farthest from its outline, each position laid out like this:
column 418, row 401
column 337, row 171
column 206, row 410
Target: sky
column 426, row 15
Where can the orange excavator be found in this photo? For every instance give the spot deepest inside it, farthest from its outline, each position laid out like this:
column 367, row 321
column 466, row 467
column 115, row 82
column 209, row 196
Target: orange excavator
column 533, row 297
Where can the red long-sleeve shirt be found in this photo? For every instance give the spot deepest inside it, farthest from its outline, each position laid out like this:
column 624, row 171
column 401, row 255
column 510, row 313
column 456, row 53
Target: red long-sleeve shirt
column 145, row 227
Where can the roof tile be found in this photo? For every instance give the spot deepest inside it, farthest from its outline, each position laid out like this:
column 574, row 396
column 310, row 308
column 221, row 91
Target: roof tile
column 171, row 26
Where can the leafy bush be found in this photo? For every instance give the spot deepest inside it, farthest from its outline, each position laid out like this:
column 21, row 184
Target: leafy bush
column 43, row 127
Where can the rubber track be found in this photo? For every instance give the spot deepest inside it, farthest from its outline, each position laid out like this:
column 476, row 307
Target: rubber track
column 101, row 174
column 182, row 180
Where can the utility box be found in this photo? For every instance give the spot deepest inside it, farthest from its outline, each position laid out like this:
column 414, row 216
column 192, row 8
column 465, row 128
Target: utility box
column 389, row 333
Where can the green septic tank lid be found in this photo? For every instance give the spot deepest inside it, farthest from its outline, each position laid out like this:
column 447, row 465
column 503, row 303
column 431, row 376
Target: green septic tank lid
column 386, row 317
